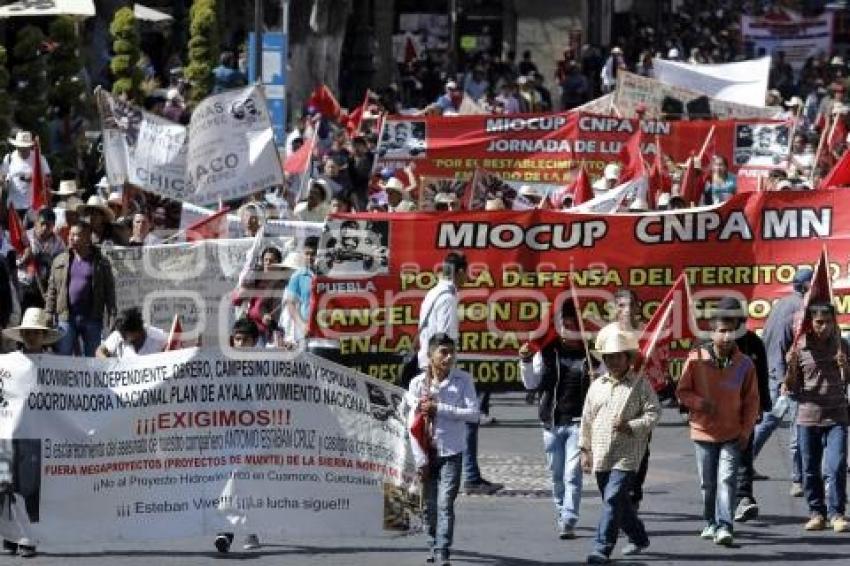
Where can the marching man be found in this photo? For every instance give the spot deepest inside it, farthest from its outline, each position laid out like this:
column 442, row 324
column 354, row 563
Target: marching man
column 619, row 412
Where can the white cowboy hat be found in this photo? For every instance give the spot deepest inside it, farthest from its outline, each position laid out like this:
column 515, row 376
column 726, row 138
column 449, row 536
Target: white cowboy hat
column 495, row 203
column 393, row 184
column 612, row 171
column 103, row 183
column 292, row 260
column 116, row 197
column 530, row 191
column 34, row 319
column 71, row 204
column 794, row 101
column 616, row 342
column 67, row 188
column 22, row 139
column 445, row 198
column 98, row 203
column 663, row 199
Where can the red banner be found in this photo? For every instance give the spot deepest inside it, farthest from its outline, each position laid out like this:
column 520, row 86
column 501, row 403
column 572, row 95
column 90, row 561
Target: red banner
column 545, row 148
column 375, row 268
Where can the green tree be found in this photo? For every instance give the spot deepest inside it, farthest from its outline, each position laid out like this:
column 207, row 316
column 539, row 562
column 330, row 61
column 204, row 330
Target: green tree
column 31, row 75
column 124, row 64
column 64, row 67
column 5, row 108
column 203, row 47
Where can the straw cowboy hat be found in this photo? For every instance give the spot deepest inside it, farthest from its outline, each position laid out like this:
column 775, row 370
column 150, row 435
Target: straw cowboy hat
column 293, row 260
column 22, row 139
column 530, row 191
column 794, row 101
column 616, row 342
column 96, row 202
column 406, row 206
column 34, row 319
column 495, row 203
column 67, row 188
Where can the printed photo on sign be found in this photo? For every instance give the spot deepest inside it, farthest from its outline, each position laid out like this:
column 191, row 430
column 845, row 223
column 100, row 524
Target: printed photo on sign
column 352, row 247
column 404, row 139
column 384, row 404
column 761, row 144
column 20, row 479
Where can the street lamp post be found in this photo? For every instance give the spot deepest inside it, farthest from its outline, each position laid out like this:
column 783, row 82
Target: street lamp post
column 258, row 41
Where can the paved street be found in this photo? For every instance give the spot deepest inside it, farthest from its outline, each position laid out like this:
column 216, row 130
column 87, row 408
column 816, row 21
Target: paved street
column 516, row 528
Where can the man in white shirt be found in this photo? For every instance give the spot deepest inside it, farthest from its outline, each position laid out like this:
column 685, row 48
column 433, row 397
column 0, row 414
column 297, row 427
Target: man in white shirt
column 447, row 395
column 18, row 170
column 439, row 314
column 132, row 337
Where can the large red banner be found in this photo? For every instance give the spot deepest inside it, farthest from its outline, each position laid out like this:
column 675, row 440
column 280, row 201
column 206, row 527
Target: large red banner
column 375, row 268
column 545, row 148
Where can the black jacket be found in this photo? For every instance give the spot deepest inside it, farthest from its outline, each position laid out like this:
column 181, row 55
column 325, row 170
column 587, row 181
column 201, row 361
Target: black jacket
column 752, row 347
column 563, row 386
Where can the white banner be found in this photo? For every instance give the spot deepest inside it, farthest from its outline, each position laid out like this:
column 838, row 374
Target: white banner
column 231, row 147
column 799, row 37
column 192, row 442
column 744, row 82
column 227, row 151
column 635, row 89
column 194, row 280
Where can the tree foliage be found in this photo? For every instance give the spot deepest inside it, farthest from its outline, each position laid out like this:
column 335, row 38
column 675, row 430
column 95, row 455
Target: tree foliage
column 64, row 67
column 5, row 108
column 124, row 64
column 203, row 47
column 30, row 74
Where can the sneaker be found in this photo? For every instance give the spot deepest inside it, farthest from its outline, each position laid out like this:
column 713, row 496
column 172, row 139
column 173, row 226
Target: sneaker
column 25, row 551
column 631, row 549
column 839, row 524
column 222, row 543
column 597, row 558
column 566, row 531
column 252, row 542
column 9, row 548
column 796, row 489
column 481, row 487
column 757, row 476
column 486, row 420
column 723, row 536
column 815, row 523
column 430, row 559
column 747, row 510
column 708, row 532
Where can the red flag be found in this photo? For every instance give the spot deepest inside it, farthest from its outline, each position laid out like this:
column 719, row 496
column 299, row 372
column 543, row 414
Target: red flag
column 17, row 236
column 582, row 189
column 420, row 435
column 672, row 321
column 692, row 185
column 212, row 227
column 39, row 187
column 352, row 121
column 820, row 291
column 839, row 175
column 631, row 158
column 708, row 150
column 175, row 338
column 323, row 100
column 837, row 134
column 659, row 177
column 411, row 54
column 299, row 161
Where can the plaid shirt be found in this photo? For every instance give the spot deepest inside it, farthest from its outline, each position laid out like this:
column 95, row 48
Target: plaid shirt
column 609, row 400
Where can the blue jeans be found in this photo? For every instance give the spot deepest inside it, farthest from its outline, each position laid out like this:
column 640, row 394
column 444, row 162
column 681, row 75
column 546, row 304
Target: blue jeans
column 717, row 467
column 563, row 459
column 770, row 423
column 440, row 494
column 618, row 512
column 90, row 331
column 471, row 472
column 817, row 443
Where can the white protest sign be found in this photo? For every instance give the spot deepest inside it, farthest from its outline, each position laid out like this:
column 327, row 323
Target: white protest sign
column 744, row 82
column 633, row 90
column 193, row 442
column 227, row 152
column 194, row 280
column 231, row 147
